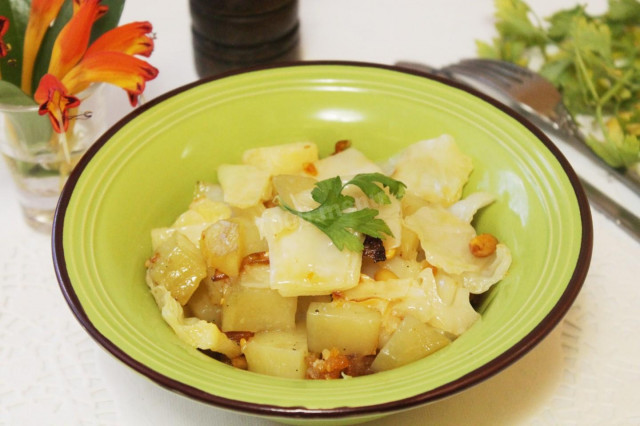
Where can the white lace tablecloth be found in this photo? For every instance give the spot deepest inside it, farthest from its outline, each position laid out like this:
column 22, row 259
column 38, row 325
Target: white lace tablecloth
column 586, row 372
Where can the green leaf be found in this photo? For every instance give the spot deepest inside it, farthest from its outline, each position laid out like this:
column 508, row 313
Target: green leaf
column 23, row 127
column 486, row 50
column 13, row 95
column 514, row 51
column 516, row 33
column 513, row 21
column 629, row 150
column 558, row 69
column 327, row 190
column 617, row 155
column 561, row 22
column 626, row 11
column 17, row 11
column 340, row 225
column 367, row 182
column 342, row 238
column 110, row 20
column 363, row 221
column 592, row 40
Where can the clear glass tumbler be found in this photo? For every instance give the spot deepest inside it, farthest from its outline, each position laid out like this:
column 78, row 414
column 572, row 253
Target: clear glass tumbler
column 39, row 159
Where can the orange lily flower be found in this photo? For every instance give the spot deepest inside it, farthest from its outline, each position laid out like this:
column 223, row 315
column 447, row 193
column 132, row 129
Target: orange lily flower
column 54, row 100
column 72, row 42
column 131, row 39
column 109, row 59
column 120, row 69
column 43, row 12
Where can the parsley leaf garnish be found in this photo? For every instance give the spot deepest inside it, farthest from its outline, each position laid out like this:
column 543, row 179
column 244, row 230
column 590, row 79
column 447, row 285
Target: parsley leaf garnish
column 334, row 216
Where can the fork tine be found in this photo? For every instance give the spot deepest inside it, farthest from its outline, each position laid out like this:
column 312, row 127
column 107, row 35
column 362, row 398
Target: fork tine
column 485, row 76
column 506, row 70
column 504, row 67
column 500, row 64
column 528, row 86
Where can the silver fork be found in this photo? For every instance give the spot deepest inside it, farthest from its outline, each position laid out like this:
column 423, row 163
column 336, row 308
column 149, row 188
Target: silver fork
column 531, row 94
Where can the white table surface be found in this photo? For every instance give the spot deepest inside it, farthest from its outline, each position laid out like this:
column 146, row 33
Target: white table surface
column 586, row 372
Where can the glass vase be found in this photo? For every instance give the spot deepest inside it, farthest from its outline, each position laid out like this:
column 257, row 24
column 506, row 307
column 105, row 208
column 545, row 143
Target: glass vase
column 40, row 159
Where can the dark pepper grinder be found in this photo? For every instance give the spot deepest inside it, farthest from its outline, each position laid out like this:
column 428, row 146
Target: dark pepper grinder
column 231, row 34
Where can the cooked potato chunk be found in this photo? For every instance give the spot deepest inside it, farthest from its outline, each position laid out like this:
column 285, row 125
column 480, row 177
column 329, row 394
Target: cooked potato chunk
column 205, row 302
column 346, row 326
column 202, row 212
column 251, row 241
column 257, row 309
column 412, row 341
column 192, row 232
column 178, row 266
column 282, row 159
column 303, row 306
column 278, row 353
column 244, row 185
column 221, row 246
column 254, row 276
column 189, row 218
column 209, row 190
column 211, row 211
column 346, row 163
column 287, row 187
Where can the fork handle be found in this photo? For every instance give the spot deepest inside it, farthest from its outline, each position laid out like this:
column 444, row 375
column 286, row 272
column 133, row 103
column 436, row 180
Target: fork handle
column 612, row 210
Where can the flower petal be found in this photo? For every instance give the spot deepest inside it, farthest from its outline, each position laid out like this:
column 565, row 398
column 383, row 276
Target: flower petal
column 4, row 27
column 120, row 69
column 130, row 38
column 42, row 13
column 73, row 39
column 55, row 101
column 77, row 3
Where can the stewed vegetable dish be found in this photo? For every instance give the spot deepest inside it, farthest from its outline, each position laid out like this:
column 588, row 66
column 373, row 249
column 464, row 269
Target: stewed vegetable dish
column 298, row 266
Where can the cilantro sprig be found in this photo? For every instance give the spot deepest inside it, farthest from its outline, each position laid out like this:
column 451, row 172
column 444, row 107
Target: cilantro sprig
column 335, row 217
column 592, row 59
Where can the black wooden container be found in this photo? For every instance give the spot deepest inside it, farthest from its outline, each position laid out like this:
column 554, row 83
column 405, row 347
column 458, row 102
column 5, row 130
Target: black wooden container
column 229, row 34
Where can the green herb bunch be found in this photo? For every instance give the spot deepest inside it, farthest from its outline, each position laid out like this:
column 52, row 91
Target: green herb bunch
column 594, row 60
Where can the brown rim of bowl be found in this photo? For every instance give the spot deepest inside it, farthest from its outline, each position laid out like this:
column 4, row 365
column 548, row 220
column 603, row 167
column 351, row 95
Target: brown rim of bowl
column 474, row 377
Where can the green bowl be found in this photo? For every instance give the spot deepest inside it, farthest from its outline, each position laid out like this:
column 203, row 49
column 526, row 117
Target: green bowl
column 141, row 173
